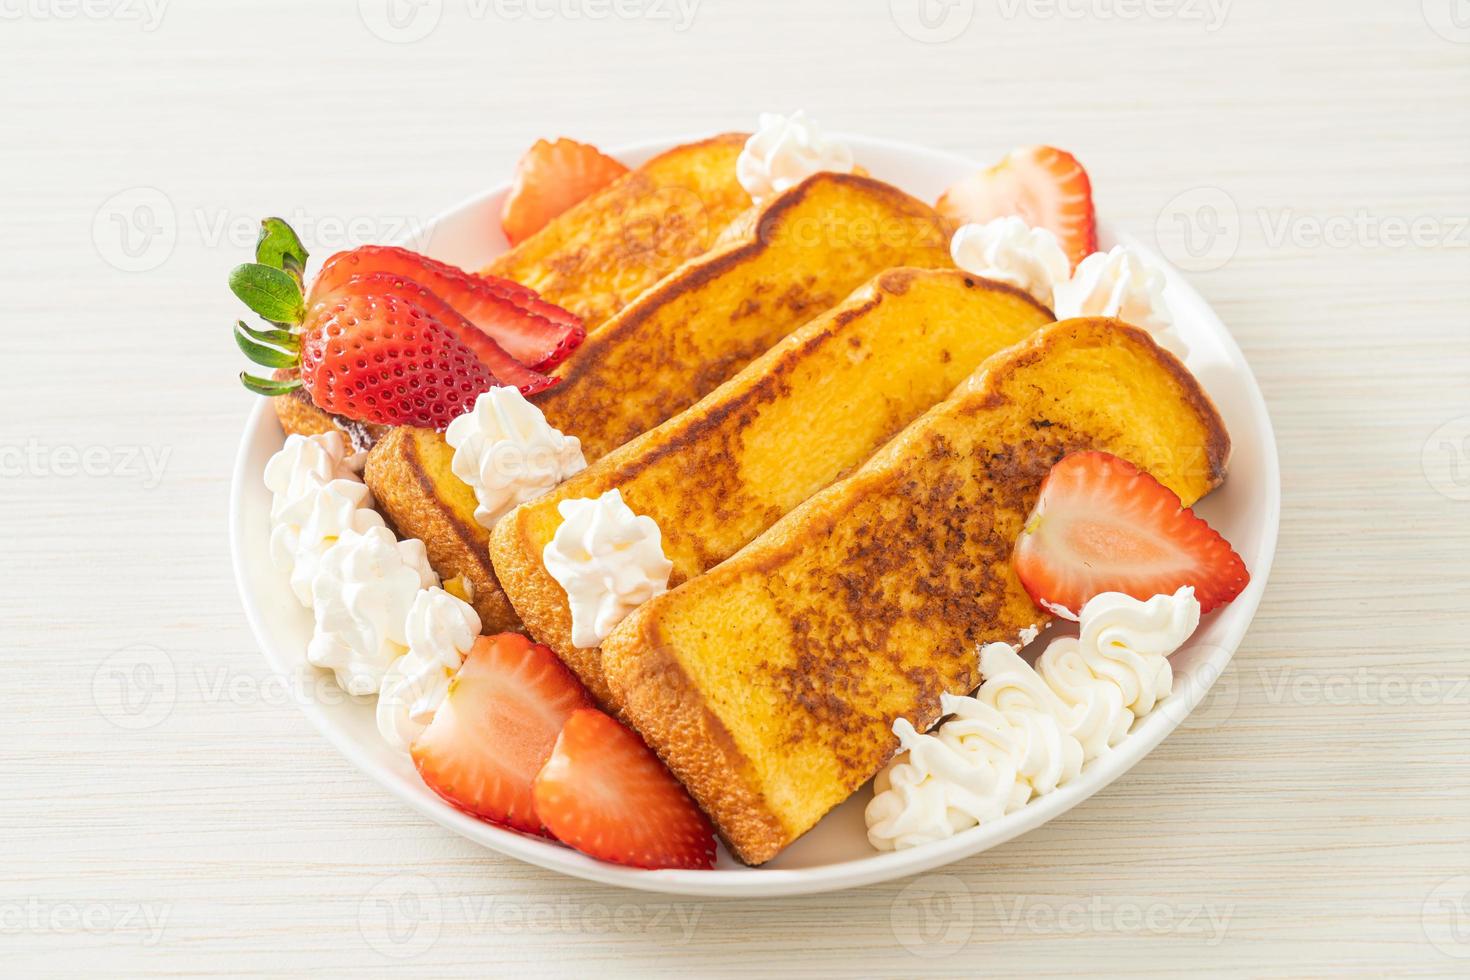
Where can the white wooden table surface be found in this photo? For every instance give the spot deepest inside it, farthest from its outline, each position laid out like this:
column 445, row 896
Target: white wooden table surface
column 1317, row 815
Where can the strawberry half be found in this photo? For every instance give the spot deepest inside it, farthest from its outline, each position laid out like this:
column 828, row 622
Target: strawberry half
column 1045, row 186
column 1103, row 525
column 604, row 793
column 538, row 334
column 496, row 729
column 506, row 369
column 549, row 178
column 383, row 358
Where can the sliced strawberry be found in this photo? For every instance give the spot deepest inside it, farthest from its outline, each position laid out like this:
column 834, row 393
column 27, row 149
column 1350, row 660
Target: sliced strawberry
column 1045, row 186
column 1103, row 525
column 604, row 793
column 538, row 334
column 550, row 178
column 507, row 370
column 385, row 359
column 496, row 729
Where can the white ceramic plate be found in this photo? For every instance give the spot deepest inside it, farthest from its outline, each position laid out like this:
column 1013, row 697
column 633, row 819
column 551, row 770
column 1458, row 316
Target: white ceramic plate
column 835, row 854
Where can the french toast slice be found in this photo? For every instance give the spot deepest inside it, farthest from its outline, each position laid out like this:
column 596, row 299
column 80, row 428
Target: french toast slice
column 408, row 472
column 808, row 248
column 793, row 421
column 599, row 254
column 769, row 684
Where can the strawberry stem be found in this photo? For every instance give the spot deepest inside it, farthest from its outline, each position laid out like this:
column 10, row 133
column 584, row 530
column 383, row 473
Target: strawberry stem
column 279, row 247
column 269, row 388
column 261, row 354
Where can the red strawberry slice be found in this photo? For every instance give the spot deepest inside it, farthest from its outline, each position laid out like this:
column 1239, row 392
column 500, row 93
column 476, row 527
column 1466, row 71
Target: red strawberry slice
column 1045, row 186
column 507, row 370
column 550, row 178
column 538, row 334
column 496, row 729
column 1103, row 525
column 604, row 793
column 385, row 359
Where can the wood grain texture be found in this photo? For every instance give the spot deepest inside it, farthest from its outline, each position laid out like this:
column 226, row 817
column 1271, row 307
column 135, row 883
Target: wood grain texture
column 1314, row 818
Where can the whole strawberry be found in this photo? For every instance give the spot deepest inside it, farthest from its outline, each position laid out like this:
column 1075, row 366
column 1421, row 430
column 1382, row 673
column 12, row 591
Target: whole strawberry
column 378, row 346
column 380, row 358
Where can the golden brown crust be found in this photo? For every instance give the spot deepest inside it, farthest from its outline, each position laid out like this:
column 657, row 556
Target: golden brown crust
column 299, row 416
column 870, row 599
column 406, row 472
column 794, row 420
column 598, row 255
column 808, row 249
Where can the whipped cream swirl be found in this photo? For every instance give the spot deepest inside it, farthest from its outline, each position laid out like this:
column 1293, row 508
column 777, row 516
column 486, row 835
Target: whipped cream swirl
column 440, row 630
column 1117, row 669
column 508, row 453
column 316, row 496
column 784, row 151
column 363, row 590
column 1120, row 283
column 1010, row 251
column 608, row 559
column 1027, row 731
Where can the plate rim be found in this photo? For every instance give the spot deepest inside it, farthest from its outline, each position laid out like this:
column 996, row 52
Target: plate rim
column 850, row 873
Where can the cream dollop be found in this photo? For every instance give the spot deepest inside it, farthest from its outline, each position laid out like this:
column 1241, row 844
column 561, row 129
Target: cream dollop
column 1010, row 251
column 508, row 453
column 1117, row 669
column 784, row 151
column 608, row 559
column 316, row 496
column 1028, row 731
column 1120, row 283
column 440, row 629
column 363, row 590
